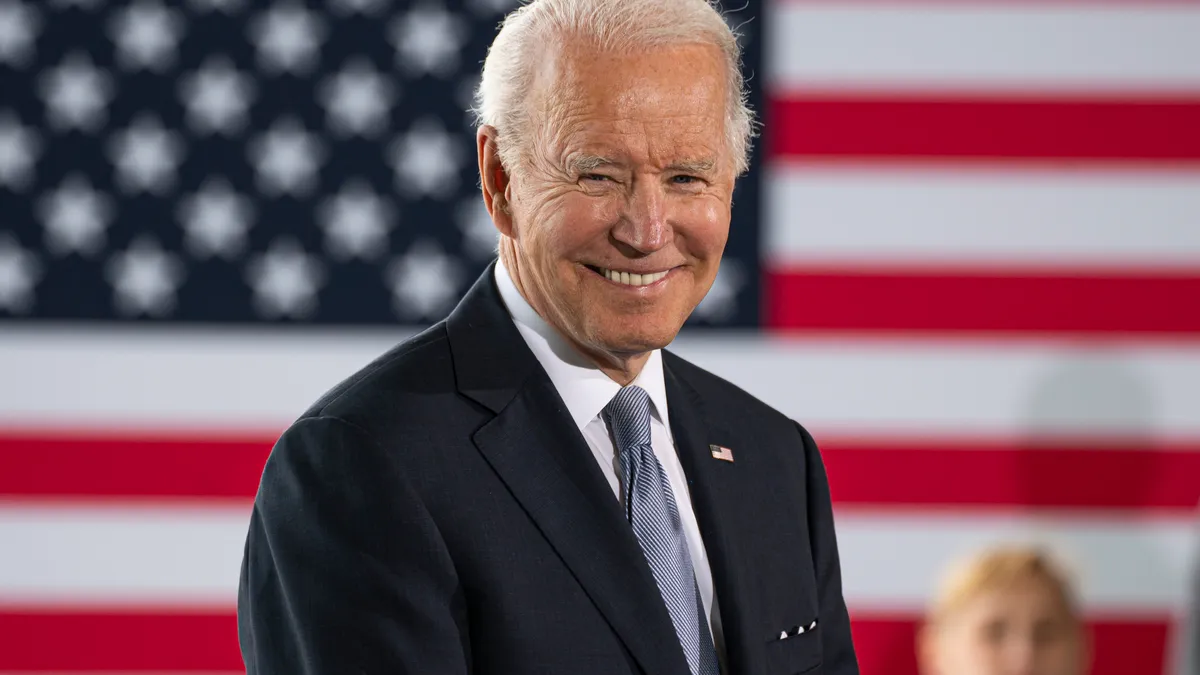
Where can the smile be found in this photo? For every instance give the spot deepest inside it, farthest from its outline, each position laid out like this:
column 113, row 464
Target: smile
column 628, row 278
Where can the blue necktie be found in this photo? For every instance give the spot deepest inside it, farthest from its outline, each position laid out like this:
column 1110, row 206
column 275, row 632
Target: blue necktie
column 651, row 510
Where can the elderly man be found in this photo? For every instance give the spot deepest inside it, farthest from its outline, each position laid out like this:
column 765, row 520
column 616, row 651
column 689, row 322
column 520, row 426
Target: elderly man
column 533, row 486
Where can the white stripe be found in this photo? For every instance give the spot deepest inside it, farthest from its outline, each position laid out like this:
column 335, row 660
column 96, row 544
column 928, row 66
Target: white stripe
column 822, row 214
column 123, row 378
column 161, row 556
column 1023, row 46
column 103, row 555
column 1131, row 566
column 936, row 386
column 126, row 376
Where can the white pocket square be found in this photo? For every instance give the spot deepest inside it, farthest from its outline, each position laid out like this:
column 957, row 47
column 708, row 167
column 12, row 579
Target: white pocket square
column 797, row 630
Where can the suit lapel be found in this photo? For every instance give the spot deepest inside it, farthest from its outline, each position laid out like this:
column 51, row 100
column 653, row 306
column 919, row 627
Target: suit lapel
column 534, row 447
column 718, row 489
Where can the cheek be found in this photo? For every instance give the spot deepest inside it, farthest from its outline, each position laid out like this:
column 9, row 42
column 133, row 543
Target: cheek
column 575, row 222
column 704, row 226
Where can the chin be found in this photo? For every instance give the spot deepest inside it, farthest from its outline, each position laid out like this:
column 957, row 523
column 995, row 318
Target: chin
column 638, row 339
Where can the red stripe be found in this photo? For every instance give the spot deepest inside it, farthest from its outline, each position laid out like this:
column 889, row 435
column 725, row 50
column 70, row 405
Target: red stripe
column 994, row 301
column 847, row 126
column 115, row 465
column 127, row 641
column 118, row 640
column 1151, row 474
column 885, row 644
column 1073, row 475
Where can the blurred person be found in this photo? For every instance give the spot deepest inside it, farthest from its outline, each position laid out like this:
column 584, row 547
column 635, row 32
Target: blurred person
column 1006, row 611
column 1188, row 634
column 534, row 484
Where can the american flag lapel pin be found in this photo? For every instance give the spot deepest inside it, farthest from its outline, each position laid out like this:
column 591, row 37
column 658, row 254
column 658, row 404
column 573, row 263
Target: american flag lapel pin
column 721, row 452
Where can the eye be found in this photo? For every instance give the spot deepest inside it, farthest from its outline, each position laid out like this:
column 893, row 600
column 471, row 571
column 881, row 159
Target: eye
column 994, row 632
column 595, row 177
column 684, row 179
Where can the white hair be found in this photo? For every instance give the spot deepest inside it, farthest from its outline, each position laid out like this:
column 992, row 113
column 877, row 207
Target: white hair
column 621, row 26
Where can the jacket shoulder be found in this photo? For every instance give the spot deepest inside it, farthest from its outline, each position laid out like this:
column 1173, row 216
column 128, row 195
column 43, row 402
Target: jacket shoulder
column 418, row 367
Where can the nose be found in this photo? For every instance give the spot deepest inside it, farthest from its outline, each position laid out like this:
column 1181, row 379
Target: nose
column 1021, row 657
column 644, row 225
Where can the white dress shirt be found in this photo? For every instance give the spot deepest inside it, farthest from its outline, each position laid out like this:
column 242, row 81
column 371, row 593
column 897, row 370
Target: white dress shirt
column 586, row 390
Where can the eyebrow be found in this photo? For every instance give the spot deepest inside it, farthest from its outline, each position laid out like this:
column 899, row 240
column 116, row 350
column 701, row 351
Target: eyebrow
column 585, row 163
column 693, row 166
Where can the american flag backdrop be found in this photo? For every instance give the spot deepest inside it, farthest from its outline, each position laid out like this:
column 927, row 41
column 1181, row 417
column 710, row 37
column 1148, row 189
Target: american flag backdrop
column 967, row 258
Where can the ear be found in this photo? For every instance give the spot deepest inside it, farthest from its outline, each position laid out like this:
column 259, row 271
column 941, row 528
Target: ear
column 494, row 179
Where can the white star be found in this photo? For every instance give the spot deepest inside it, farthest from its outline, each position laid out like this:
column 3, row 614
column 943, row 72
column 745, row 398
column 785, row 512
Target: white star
column 19, row 272
column 19, row 27
column 286, row 158
column 357, row 99
column 424, row 281
column 480, row 236
column 75, row 216
column 721, row 302
column 144, row 279
column 215, row 220
column 146, row 156
column 427, row 40
column 426, row 160
column 224, row 6
column 287, row 37
column 146, row 35
column 216, row 97
column 19, row 150
column 76, row 93
column 364, row 7
column 356, row 222
column 285, row 280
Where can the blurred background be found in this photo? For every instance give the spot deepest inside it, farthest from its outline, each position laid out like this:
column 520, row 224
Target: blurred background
column 967, row 258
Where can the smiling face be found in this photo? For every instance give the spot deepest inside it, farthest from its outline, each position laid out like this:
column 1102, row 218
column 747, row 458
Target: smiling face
column 619, row 213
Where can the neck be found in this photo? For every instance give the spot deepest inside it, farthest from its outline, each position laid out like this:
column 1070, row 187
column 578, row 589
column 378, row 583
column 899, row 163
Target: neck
column 622, row 368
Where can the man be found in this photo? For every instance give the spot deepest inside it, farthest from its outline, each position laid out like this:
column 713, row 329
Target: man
column 533, row 486
column 1188, row 632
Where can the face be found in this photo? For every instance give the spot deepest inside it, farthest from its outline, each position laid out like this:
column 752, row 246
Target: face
column 620, row 212
column 1021, row 630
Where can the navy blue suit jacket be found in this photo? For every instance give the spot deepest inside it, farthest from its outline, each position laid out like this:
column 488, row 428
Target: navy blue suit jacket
column 439, row 513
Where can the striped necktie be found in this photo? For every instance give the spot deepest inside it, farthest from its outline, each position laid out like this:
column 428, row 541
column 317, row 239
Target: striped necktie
column 651, row 510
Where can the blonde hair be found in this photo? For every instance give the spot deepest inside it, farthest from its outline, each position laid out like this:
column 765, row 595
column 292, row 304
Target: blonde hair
column 622, row 26
column 998, row 568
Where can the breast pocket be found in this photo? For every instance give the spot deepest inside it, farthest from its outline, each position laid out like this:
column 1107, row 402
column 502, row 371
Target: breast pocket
column 795, row 649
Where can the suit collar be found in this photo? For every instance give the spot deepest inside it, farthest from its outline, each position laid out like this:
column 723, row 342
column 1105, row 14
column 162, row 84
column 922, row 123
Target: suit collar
column 491, row 361
column 537, row 451
column 719, row 490
column 583, row 386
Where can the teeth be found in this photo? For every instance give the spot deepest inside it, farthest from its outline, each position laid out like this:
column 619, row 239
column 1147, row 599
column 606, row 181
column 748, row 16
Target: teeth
column 632, row 279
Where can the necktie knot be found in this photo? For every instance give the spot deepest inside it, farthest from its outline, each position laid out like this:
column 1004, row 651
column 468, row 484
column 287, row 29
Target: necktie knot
column 628, row 416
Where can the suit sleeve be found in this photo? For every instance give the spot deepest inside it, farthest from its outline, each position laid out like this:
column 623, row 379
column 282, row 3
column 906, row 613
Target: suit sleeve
column 345, row 570
column 838, row 656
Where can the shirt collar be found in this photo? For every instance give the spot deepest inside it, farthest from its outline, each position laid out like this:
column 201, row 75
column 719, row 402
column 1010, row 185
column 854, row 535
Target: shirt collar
column 581, row 384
